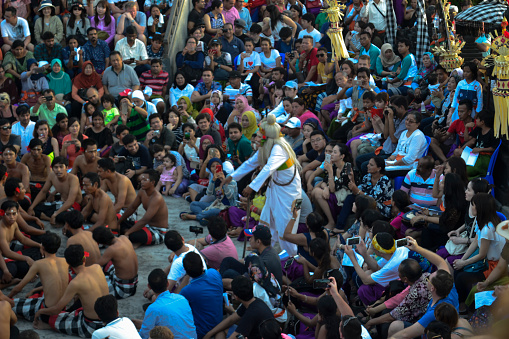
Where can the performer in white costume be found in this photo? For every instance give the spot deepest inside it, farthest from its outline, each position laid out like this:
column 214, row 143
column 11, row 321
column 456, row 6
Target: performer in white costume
column 279, row 162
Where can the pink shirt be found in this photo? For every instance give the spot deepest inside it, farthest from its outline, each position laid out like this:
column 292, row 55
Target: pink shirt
column 393, row 302
column 308, row 115
column 230, row 15
column 101, row 25
column 215, row 253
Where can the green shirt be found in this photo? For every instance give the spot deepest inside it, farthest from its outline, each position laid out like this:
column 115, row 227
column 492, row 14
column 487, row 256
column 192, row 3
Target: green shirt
column 242, row 148
column 138, row 125
column 45, row 114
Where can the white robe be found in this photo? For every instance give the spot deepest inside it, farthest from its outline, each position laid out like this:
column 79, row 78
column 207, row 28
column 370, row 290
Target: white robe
column 277, row 211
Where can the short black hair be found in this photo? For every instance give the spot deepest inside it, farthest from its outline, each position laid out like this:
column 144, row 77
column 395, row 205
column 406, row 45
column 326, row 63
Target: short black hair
column 443, row 283
column 242, row 287
column 365, row 33
column 51, row 242
column 121, row 128
column 90, row 29
column 153, row 116
column 157, row 281
column 28, row 334
column 466, row 102
column 485, row 116
column 202, row 116
column 47, row 35
column 385, row 240
column 74, row 219
column 60, row 160
column 368, row 96
column 156, row 61
column 109, row 98
column 369, row 216
column 106, row 308
column 186, row 125
column 103, row 235
column 153, row 175
column 256, row 29
column 234, row 125
column 9, row 204
column 89, row 141
column 131, row 30
column 173, row 240
column 410, row 269
column 438, row 329
column 128, row 139
column 106, row 164
column 217, row 227
column 364, row 70
column 10, row 186
column 94, row 178
column 4, row 122
column 399, row 100
column 74, row 255
column 34, row 142
column 193, row 264
column 309, row 17
column 284, row 33
column 405, row 41
column 10, row 147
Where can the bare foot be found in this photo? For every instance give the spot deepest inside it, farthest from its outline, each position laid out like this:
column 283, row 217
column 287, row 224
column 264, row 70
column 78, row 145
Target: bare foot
column 41, row 325
column 235, row 233
column 13, row 282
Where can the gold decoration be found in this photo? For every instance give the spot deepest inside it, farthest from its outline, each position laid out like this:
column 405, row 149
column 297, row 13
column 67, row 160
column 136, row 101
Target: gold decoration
column 335, row 31
column 449, row 54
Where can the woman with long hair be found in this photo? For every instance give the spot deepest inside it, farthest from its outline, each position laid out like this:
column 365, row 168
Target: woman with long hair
column 190, row 61
column 299, row 110
column 180, row 88
column 487, row 244
column 49, row 143
column 78, row 23
column 270, row 59
column 400, row 202
column 214, row 20
column 319, row 249
column 435, row 234
column 48, row 22
column 175, row 125
column 104, row 22
column 328, row 319
column 71, row 145
column 60, row 129
column 452, row 165
column 100, row 134
column 276, row 21
column 448, row 314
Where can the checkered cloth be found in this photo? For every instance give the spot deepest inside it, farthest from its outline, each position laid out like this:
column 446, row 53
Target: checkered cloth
column 489, row 11
column 120, row 288
column 422, row 44
column 392, row 24
column 155, row 235
column 75, row 323
column 28, row 307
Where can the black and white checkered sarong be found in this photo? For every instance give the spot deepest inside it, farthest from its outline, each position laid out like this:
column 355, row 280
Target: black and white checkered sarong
column 28, row 307
column 489, row 11
column 392, row 24
column 75, row 323
column 422, row 44
column 120, row 288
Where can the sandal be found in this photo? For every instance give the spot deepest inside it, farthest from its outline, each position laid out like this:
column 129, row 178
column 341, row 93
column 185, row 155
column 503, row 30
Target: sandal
column 181, row 216
column 336, row 231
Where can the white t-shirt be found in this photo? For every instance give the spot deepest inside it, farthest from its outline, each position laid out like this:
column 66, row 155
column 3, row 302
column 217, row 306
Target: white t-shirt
column 315, row 34
column 150, row 20
column 120, row 328
column 271, row 61
column 177, row 271
column 389, row 269
column 251, row 61
column 497, row 242
column 18, row 32
column 190, row 152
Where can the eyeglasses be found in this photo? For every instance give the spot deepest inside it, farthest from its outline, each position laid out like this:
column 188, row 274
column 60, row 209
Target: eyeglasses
column 411, row 121
column 316, row 141
column 5, row 128
column 320, row 55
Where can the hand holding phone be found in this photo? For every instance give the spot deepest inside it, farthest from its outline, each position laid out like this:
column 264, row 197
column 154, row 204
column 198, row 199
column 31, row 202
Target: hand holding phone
column 353, row 241
column 401, row 242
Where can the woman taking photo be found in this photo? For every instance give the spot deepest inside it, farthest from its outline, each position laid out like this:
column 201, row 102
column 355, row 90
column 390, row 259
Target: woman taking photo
column 7, row 110
column 214, row 20
column 487, row 245
column 276, row 21
column 329, row 194
column 60, row 129
column 180, row 89
column 319, row 249
column 49, row 144
column 71, row 146
column 100, row 134
column 175, row 125
column 104, row 22
column 186, row 110
column 48, row 22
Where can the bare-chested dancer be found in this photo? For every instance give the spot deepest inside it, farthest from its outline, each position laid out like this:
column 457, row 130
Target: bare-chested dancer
column 66, row 184
column 118, row 184
column 54, row 275
column 39, row 165
column 86, row 162
column 14, row 168
column 99, row 209
column 152, row 227
column 73, row 229
column 119, row 261
column 88, row 285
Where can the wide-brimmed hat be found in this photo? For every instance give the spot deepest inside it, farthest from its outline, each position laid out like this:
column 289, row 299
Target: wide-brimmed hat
column 44, row 4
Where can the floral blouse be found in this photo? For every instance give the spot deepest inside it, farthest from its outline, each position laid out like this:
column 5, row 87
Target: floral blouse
column 339, row 182
column 382, row 192
column 415, row 304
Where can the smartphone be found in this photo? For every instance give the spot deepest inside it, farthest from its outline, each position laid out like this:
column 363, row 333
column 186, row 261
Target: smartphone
column 181, row 107
column 298, row 204
column 401, row 242
column 348, row 168
column 120, row 157
column 356, row 82
column 353, row 241
column 219, row 168
column 207, row 102
column 327, row 158
column 187, row 135
column 296, row 257
column 156, row 133
column 321, row 283
column 196, row 229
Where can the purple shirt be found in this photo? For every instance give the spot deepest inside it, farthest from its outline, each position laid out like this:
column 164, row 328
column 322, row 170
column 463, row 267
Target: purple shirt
column 101, row 25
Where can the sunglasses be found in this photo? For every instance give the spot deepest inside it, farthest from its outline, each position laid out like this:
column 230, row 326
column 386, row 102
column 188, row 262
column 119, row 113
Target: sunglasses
column 5, row 128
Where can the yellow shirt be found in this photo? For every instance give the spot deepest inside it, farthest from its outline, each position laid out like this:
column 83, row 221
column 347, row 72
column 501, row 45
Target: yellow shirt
column 322, row 77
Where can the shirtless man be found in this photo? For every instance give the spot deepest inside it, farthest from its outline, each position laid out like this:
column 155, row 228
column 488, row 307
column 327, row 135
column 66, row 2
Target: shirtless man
column 54, row 274
column 9, row 231
column 119, row 185
column 73, row 229
column 155, row 220
column 119, row 261
column 39, row 164
column 14, row 168
column 86, row 162
column 88, row 285
column 3, row 178
column 66, row 184
column 99, row 208
column 7, row 320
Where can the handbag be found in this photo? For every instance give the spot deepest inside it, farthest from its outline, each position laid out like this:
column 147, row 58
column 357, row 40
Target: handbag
column 478, row 266
column 457, row 249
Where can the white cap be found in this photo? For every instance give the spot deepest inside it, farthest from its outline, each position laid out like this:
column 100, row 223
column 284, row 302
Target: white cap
column 138, row 95
column 293, row 123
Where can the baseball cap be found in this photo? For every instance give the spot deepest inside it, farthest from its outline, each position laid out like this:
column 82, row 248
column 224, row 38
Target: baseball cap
column 291, row 84
column 138, row 95
column 235, row 74
column 214, row 42
column 239, row 22
column 293, row 123
column 260, row 232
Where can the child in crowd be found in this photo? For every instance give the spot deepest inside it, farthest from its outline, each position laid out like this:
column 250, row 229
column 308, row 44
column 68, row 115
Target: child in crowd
column 86, row 116
column 278, row 94
column 156, row 50
column 111, row 113
column 158, row 152
column 399, row 202
column 168, row 175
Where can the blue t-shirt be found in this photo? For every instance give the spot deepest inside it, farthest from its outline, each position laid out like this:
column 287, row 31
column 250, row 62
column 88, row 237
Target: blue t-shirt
column 207, row 287
column 429, row 316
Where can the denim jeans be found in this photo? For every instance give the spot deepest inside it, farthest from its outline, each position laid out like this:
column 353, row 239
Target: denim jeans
column 198, row 208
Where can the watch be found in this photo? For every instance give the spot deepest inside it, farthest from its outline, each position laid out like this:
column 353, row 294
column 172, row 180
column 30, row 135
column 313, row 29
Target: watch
column 134, row 105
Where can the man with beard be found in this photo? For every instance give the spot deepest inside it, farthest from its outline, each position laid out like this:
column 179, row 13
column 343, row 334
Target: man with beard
column 97, row 50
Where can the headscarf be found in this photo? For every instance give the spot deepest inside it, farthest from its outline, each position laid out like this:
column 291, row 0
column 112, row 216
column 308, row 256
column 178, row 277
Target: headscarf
column 175, row 81
column 388, row 62
column 424, row 71
column 218, row 107
column 459, row 72
column 34, row 76
column 190, row 109
column 211, row 161
column 59, row 82
column 315, row 125
column 87, row 81
column 247, row 107
column 253, row 127
column 201, row 151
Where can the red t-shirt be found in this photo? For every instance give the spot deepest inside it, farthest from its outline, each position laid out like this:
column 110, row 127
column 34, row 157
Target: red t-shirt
column 312, row 60
column 458, row 128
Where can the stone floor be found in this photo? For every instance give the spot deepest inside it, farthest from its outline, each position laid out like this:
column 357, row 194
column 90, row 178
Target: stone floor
column 149, row 258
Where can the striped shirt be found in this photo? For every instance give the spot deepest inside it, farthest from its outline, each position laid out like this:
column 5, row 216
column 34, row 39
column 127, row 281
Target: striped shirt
column 156, row 83
column 419, row 191
column 138, row 126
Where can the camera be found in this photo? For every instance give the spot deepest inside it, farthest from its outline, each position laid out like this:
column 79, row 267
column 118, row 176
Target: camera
column 48, row 98
column 386, row 111
column 181, row 107
column 187, row 135
column 401, row 242
column 321, row 283
column 196, row 230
